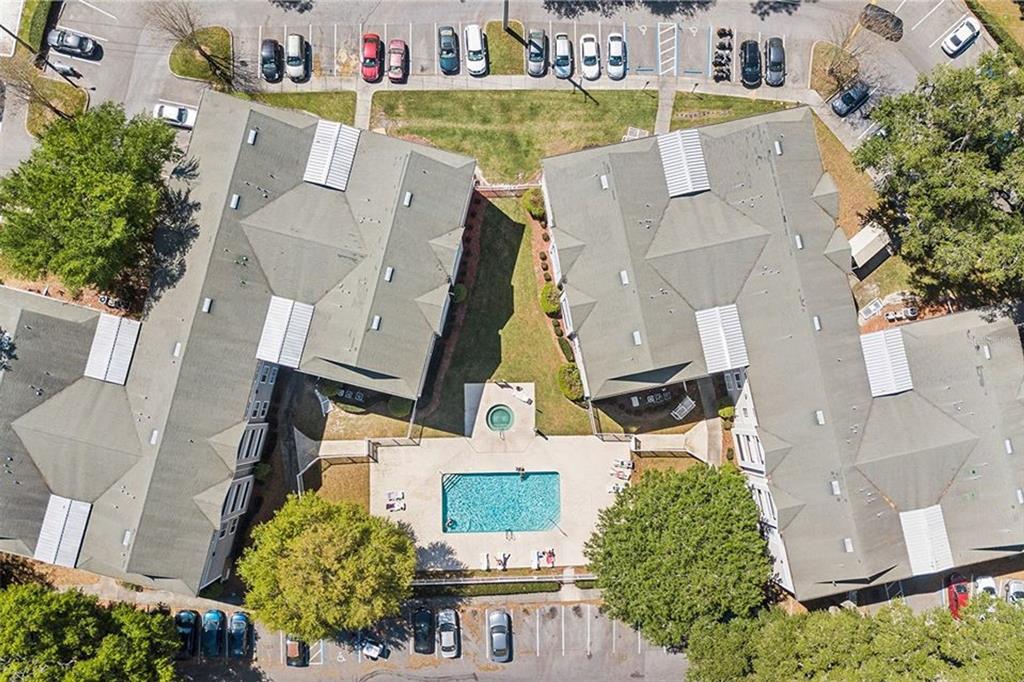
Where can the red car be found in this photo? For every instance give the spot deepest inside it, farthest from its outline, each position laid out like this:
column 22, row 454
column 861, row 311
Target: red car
column 397, row 60
column 958, row 591
column 373, row 57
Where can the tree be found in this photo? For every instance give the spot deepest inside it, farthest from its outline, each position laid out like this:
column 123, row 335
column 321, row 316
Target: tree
column 951, row 177
column 678, row 548
column 841, row 54
column 47, row 636
column 318, row 567
column 84, row 204
column 181, row 21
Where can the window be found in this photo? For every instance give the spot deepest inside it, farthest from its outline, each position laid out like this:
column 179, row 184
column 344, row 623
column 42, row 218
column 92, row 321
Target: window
column 273, row 375
column 254, row 409
column 737, row 380
column 264, row 374
column 729, row 385
column 233, row 527
column 238, row 496
column 223, row 532
column 252, row 443
column 264, row 406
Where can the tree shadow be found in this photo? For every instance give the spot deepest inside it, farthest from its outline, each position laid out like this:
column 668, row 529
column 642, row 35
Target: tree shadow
column 176, row 230
column 572, row 9
column 298, row 6
column 16, row 570
column 765, row 8
column 438, row 556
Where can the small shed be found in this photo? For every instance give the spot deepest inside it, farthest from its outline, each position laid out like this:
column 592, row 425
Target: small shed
column 869, row 245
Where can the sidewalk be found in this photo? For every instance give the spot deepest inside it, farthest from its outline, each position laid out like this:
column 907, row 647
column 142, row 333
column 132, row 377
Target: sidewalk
column 15, row 142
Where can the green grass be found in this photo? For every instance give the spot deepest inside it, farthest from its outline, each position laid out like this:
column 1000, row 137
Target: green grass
column 485, row 589
column 188, row 63
column 333, row 106
column 587, row 584
column 505, row 336
column 505, row 53
column 691, row 110
column 65, row 97
column 33, row 22
column 509, row 132
column 1004, row 19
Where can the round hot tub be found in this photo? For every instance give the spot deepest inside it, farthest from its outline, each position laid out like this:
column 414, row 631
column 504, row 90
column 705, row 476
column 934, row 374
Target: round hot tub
column 500, row 418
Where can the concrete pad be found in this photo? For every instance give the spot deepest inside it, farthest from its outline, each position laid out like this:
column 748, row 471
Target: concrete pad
column 519, row 398
column 10, row 15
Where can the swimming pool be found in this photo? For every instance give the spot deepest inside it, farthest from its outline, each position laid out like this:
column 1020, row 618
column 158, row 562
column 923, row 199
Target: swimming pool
column 495, row 503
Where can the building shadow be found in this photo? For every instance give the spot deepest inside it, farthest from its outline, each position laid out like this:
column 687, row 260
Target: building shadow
column 16, row 570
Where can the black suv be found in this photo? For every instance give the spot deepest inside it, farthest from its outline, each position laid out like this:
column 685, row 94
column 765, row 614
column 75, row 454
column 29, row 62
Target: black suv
column 750, row 63
column 851, row 99
column 271, row 59
column 423, row 631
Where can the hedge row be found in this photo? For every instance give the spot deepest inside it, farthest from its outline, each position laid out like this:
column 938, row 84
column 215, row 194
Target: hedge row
column 485, row 589
column 1006, row 41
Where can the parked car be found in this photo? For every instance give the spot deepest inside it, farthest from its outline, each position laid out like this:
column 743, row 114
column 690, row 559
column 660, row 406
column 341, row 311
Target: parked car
column 563, row 56
column 851, row 99
column 296, row 652
column 176, row 115
column 186, row 624
column 214, row 623
column 590, row 57
column 774, row 62
column 881, row 21
column 295, row 57
column 448, row 634
column 373, row 57
column 239, row 635
column 958, row 592
column 71, row 43
column 1014, row 593
column 476, row 50
column 616, row 56
column 271, row 60
column 499, row 636
column 750, row 63
column 986, row 584
column 537, row 53
column 398, row 58
column 371, row 648
column 961, row 37
column 423, row 631
column 448, row 50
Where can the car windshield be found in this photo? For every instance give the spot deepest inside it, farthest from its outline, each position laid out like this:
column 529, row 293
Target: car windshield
column 955, row 39
column 1017, row 596
column 447, row 51
column 182, row 115
column 590, row 60
column 562, row 60
column 369, row 61
column 536, row 53
column 476, row 55
column 960, row 588
column 294, row 60
column 498, row 639
column 614, row 60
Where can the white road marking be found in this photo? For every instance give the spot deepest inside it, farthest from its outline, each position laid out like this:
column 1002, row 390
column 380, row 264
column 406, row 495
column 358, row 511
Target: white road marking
column 930, row 12
column 284, row 35
column 898, row 8
column 282, row 645
column 259, row 44
column 101, row 11
column 536, row 613
column 588, row 629
column 948, row 30
column 613, row 636
column 317, row 657
column 487, row 634
column 434, row 49
column 334, row 55
column 638, row 642
column 563, row 630
column 869, row 129
column 80, row 32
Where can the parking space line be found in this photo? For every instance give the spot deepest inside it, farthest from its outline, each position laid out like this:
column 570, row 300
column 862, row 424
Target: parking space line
column 101, row 11
column 434, row 48
column 281, row 633
column 588, row 629
column 334, row 55
column 259, row 43
column 76, row 30
column 171, row 101
column 944, row 33
column 563, row 629
column 638, row 642
column 487, row 634
column 385, row 34
column 599, row 37
column 613, row 636
column 536, row 613
column 869, row 129
column 899, row 7
column 284, row 35
column 930, row 12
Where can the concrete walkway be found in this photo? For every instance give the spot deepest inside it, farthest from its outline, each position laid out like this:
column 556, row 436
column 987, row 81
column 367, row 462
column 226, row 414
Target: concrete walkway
column 15, row 143
column 666, row 101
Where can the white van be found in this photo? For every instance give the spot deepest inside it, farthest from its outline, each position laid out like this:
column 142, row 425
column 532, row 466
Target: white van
column 475, row 48
column 295, row 57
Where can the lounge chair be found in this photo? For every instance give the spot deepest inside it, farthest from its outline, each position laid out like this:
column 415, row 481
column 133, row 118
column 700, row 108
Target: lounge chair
column 485, row 561
column 535, row 559
column 395, row 495
column 395, row 506
column 624, row 464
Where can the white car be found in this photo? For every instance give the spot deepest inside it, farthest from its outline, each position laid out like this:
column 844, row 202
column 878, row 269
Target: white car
column 475, row 47
column 961, row 37
column 563, row 56
column 616, row 56
column 176, row 115
column 987, row 584
column 590, row 57
column 1015, row 592
column 448, row 633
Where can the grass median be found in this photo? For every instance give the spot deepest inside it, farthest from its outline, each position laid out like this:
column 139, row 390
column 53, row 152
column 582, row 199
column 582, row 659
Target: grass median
column 692, row 110
column 211, row 63
column 1004, row 19
column 505, row 52
column 509, row 132
column 333, row 106
column 33, row 22
column 64, row 97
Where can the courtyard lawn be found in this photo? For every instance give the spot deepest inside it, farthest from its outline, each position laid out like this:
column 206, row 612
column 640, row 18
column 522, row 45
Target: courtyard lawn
column 348, row 482
column 505, row 336
column 1004, row 19
column 827, row 55
column 188, row 63
column 334, row 106
column 691, row 110
column 506, row 54
column 67, row 98
column 509, row 132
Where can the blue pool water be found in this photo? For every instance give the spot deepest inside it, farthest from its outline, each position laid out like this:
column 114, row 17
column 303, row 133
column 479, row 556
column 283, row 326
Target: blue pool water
column 495, row 503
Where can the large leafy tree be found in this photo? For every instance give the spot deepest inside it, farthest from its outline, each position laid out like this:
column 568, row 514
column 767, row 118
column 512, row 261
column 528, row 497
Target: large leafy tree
column 894, row 644
column 69, row 636
column 83, row 205
column 681, row 547
column 951, row 177
column 318, row 567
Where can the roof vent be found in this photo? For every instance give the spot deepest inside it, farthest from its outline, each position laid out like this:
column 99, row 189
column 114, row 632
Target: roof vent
column 177, row 349
column 817, row 323
column 207, row 304
column 848, row 545
column 389, row 272
column 153, row 437
column 407, row 200
column 375, row 323
column 799, row 241
column 1008, row 446
column 819, row 415
column 835, row 488
column 127, row 539
column 252, row 136
column 1020, row 496
column 604, row 182
column 636, row 338
column 234, row 201
column 624, row 277
column 987, row 350
column 778, row 148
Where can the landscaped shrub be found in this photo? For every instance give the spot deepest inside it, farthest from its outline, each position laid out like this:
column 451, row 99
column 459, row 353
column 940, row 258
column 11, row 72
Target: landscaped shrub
column 352, row 409
column 485, row 589
column 547, row 277
column 545, row 236
column 327, row 387
column 533, row 202
column 569, row 382
column 399, row 407
column 459, row 293
column 727, row 413
column 550, row 300
column 543, row 255
column 563, row 343
column 262, row 471
column 544, row 266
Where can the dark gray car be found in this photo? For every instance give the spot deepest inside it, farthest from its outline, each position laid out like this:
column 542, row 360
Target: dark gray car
column 537, row 53
column 69, row 42
column 448, row 50
column 499, row 636
column 851, row 99
column 774, row 62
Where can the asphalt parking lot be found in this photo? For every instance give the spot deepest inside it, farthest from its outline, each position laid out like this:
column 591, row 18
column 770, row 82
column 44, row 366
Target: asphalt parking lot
column 549, row 640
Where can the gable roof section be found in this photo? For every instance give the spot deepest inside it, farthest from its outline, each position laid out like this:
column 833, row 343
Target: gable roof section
column 722, row 338
column 331, row 154
column 924, row 532
column 886, row 361
column 62, row 532
column 682, row 160
column 112, row 348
